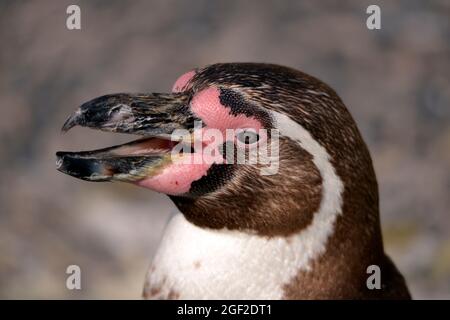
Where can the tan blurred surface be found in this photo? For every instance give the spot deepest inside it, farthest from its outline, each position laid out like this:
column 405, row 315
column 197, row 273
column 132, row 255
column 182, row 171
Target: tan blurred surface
column 395, row 81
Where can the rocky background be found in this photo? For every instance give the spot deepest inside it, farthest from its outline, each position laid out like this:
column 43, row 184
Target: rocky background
column 395, row 81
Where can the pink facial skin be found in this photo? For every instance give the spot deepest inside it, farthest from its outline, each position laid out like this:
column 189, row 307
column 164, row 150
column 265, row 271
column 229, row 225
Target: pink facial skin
column 206, row 105
column 182, row 81
column 177, row 178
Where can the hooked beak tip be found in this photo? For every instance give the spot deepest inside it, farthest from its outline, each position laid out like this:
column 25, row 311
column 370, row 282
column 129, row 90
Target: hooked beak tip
column 71, row 122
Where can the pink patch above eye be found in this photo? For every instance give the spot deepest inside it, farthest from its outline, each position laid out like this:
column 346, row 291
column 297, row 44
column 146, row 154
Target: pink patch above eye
column 207, row 106
column 182, row 81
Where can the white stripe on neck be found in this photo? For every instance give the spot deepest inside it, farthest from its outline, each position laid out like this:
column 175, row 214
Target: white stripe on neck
column 198, row 263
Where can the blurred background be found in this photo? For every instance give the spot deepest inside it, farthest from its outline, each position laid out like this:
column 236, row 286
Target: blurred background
column 395, row 81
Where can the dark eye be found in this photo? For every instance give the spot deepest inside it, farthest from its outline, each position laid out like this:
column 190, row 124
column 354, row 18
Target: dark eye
column 247, row 136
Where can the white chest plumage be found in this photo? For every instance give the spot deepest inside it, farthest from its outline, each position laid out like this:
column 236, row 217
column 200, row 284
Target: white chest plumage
column 198, row 263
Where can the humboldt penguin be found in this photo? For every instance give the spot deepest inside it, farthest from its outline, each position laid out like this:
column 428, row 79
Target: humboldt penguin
column 300, row 222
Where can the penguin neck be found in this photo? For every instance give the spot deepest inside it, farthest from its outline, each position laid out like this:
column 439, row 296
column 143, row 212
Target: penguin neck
column 230, row 264
column 197, row 262
column 200, row 262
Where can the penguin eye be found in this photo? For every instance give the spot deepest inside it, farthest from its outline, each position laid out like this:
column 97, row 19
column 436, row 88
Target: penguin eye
column 247, row 136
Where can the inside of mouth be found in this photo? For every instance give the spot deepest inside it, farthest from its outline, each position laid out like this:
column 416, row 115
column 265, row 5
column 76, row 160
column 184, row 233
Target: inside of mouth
column 146, row 146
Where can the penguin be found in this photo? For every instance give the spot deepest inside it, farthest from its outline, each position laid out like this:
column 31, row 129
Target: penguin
column 308, row 230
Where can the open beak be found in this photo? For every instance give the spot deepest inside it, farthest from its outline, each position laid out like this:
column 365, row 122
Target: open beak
column 153, row 116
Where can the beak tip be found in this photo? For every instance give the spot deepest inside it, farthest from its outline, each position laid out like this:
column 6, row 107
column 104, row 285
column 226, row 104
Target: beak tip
column 88, row 169
column 59, row 160
column 71, row 121
column 69, row 124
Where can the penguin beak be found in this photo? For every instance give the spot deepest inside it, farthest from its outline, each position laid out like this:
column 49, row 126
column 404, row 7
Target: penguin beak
column 153, row 116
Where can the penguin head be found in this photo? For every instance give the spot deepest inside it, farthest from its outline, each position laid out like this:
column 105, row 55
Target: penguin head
column 244, row 146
